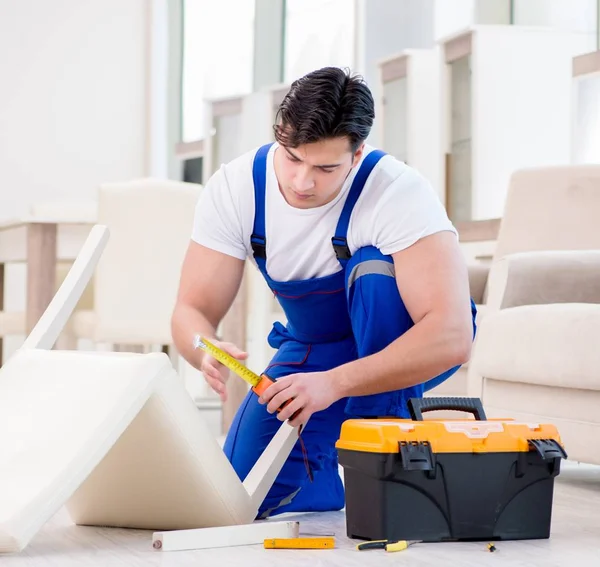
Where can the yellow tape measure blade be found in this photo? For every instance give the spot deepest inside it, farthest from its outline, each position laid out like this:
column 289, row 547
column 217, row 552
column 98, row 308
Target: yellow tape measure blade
column 227, row 360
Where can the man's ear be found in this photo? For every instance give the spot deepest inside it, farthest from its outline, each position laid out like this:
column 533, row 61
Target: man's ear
column 358, row 154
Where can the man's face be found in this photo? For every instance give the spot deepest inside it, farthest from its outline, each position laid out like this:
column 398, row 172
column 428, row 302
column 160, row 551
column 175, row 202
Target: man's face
column 312, row 175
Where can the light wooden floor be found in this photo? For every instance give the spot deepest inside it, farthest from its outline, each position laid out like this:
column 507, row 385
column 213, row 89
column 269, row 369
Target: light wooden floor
column 575, row 539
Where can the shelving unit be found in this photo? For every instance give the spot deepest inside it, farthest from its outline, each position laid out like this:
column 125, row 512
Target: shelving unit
column 410, row 111
column 507, row 105
column 223, row 141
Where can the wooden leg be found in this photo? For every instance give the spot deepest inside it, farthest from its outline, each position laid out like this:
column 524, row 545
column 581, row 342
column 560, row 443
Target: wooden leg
column 234, row 331
column 1, row 306
column 41, row 270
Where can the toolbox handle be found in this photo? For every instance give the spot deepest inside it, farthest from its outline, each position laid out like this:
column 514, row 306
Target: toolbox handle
column 417, row 406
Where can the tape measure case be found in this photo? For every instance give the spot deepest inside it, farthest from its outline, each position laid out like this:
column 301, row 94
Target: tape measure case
column 447, row 480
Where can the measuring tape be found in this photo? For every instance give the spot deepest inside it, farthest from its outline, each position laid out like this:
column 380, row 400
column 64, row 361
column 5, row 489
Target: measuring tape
column 259, row 383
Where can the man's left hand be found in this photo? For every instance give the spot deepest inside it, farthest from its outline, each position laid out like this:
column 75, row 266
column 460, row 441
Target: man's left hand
column 309, row 392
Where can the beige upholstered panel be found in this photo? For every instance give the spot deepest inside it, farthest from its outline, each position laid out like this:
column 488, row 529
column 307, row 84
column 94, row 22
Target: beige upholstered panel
column 551, row 208
column 550, row 345
column 136, row 281
column 564, row 408
column 542, row 277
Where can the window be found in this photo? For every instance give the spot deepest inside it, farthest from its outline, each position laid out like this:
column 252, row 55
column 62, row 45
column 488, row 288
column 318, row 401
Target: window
column 218, row 54
column 318, row 33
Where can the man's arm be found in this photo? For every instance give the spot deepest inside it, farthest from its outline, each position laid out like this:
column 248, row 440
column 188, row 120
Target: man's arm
column 433, row 281
column 209, row 283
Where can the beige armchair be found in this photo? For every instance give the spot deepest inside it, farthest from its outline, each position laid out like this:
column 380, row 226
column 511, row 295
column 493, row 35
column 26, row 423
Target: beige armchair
column 537, row 356
column 547, row 208
column 135, row 283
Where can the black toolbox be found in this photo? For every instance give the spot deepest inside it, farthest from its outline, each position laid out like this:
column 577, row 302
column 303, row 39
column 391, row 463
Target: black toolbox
column 448, row 480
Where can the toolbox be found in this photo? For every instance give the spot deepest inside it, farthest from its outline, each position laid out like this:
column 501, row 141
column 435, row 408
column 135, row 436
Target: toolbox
column 448, row 480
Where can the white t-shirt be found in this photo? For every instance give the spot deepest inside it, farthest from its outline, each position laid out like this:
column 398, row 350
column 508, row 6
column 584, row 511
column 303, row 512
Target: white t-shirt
column 396, row 207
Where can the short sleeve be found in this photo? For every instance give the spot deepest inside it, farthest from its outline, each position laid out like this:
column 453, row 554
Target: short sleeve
column 407, row 211
column 216, row 222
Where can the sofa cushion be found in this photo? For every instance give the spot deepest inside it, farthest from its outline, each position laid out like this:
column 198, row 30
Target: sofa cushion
column 552, row 345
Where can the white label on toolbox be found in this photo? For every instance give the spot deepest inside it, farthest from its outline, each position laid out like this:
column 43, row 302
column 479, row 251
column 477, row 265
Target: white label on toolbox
column 474, row 430
column 402, row 426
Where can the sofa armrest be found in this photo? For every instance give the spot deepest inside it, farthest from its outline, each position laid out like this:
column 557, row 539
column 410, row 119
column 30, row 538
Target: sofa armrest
column 533, row 278
column 478, row 278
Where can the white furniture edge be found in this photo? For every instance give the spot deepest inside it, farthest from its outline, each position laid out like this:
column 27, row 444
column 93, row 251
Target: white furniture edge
column 226, row 536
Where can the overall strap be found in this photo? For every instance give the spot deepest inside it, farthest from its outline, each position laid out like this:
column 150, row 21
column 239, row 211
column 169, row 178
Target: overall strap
column 258, row 239
column 339, row 241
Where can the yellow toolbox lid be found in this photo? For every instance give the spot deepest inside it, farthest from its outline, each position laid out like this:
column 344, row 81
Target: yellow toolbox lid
column 450, row 436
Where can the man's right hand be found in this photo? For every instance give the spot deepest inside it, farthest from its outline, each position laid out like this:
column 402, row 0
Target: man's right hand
column 215, row 373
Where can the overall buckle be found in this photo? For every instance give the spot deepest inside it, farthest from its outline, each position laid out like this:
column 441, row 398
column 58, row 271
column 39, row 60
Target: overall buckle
column 340, row 246
column 259, row 246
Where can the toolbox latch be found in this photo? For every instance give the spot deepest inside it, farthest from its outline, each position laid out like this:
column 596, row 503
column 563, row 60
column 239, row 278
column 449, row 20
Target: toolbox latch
column 416, row 456
column 548, row 449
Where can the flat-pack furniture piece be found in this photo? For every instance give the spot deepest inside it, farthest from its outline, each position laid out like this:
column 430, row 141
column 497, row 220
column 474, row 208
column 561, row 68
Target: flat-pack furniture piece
column 115, row 438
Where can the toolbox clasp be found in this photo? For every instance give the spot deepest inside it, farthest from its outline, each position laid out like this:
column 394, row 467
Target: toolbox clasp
column 416, row 456
column 548, row 448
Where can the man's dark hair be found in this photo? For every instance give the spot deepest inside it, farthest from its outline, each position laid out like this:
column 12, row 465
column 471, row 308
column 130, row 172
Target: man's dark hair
column 326, row 103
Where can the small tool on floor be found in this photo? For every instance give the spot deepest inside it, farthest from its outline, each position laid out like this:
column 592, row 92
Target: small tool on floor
column 300, row 543
column 386, row 544
column 491, row 547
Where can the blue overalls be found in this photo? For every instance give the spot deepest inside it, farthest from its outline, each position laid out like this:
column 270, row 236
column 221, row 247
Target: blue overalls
column 331, row 320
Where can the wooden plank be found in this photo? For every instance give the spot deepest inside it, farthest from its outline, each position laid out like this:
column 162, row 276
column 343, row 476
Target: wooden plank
column 224, row 536
column 41, row 270
column 478, row 231
column 261, row 477
column 458, row 47
column 586, row 64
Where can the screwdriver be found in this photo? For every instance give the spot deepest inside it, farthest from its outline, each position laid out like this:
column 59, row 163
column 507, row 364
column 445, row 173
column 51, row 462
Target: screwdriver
column 386, row 544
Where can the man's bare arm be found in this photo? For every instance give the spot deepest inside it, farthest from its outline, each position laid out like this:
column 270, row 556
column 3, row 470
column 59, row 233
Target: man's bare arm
column 433, row 281
column 209, row 283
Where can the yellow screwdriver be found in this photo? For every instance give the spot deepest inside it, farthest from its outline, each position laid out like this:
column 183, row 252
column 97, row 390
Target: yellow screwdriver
column 386, row 544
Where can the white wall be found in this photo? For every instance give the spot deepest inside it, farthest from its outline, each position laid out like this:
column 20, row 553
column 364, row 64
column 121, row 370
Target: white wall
column 522, row 97
column 72, row 102
column 571, row 15
column 73, row 106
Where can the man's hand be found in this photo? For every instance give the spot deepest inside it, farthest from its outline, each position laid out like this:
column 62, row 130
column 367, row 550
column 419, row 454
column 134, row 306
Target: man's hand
column 308, row 392
column 215, row 373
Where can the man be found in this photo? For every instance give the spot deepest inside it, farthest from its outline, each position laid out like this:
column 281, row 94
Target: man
column 361, row 255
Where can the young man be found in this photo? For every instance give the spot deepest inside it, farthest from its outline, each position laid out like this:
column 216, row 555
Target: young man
column 360, row 253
